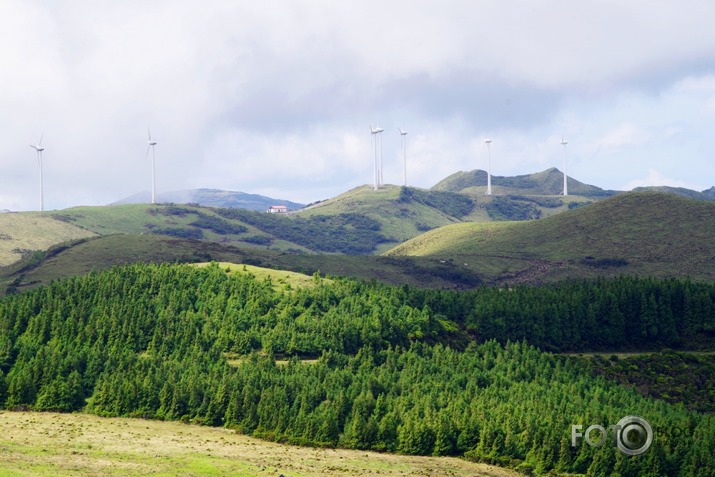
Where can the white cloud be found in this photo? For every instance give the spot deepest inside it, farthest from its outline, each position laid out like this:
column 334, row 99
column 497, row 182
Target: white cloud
column 627, row 134
column 277, row 95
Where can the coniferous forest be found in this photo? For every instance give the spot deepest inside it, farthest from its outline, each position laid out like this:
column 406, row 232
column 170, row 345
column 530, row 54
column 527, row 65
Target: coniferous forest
column 363, row 365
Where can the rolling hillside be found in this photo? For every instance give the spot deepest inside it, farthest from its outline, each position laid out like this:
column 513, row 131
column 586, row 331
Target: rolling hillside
column 402, row 212
column 646, row 233
column 100, row 253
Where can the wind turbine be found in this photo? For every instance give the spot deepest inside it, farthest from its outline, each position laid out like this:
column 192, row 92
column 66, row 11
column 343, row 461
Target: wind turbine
column 563, row 143
column 379, row 139
column 378, row 157
column 374, row 132
column 487, row 143
column 39, row 150
column 153, row 165
column 403, row 133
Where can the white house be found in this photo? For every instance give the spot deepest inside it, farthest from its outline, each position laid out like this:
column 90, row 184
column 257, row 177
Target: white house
column 278, row 209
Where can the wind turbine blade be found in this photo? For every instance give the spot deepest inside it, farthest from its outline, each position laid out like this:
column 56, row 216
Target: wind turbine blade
column 39, row 144
column 148, row 131
column 146, row 156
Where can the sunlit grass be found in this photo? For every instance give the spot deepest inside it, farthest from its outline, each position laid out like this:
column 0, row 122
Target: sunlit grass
column 34, row 444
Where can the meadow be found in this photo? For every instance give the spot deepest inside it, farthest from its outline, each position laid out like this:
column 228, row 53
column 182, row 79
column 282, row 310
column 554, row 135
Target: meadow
column 33, row 443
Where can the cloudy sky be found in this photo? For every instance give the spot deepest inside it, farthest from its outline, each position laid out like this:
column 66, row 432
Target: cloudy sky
column 276, row 97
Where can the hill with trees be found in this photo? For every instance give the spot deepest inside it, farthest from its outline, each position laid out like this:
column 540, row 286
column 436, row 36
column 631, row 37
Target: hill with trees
column 394, row 368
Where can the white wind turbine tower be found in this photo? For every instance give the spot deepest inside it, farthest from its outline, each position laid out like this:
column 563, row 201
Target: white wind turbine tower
column 374, row 132
column 39, row 150
column 153, row 165
column 563, row 143
column 378, row 136
column 378, row 155
column 403, row 133
column 487, row 143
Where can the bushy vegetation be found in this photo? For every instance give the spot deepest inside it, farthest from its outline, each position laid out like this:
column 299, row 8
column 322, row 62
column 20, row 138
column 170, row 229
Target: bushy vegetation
column 186, row 233
column 395, row 369
column 174, row 210
column 672, row 376
column 257, row 239
column 505, row 208
column 549, row 202
column 217, row 225
column 348, row 233
column 450, row 203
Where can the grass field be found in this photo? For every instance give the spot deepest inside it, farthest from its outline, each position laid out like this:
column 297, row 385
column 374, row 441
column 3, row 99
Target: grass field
column 85, row 445
column 281, row 279
column 33, row 231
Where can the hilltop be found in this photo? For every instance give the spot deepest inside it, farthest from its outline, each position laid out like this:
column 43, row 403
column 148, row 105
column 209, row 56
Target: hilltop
column 708, row 194
column 548, row 182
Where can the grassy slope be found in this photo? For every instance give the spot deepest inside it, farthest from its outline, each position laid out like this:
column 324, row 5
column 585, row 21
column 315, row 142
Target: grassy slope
column 655, row 234
column 105, row 252
column 280, row 278
column 33, row 231
column 82, row 445
column 143, row 218
column 398, row 219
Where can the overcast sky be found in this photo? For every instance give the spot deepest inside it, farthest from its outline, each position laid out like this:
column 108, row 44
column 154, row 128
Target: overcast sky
column 276, row 97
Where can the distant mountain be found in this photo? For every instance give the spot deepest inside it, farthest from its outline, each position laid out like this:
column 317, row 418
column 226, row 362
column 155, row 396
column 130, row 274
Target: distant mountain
column 212, row 198
column 548, row 182
column 708, row 194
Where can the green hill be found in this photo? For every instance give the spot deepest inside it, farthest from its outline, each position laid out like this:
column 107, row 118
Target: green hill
column 100, row 253
column 402, row 212
column 647, row 233
column 653, row 234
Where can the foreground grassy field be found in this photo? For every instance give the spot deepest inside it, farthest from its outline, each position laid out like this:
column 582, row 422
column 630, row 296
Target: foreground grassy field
column 84, row 445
